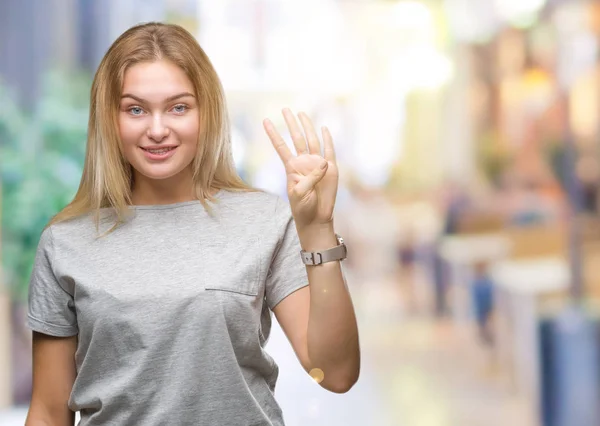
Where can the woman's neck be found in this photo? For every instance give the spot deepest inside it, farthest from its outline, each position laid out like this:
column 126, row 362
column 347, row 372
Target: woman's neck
column 172, row 190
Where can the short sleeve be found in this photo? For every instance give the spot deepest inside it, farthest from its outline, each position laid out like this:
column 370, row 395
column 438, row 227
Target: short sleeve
column 51, row 308
column 287, row 272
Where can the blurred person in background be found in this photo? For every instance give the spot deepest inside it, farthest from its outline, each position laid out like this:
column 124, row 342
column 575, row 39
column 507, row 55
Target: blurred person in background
column 407, row 257
column 482, row 293
column 453, row 205
column 152, row 291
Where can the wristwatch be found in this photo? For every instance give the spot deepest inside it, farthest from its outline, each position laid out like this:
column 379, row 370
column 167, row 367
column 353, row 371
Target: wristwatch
column 338, row 252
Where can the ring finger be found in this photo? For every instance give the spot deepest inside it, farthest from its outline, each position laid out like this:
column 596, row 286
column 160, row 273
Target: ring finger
column 295, row 132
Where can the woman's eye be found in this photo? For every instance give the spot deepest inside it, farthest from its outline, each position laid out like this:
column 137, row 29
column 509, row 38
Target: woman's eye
column 136, row 111
column 180, row 109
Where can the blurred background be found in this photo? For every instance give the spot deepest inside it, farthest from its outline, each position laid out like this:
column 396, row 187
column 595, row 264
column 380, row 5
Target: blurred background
column 468, row 139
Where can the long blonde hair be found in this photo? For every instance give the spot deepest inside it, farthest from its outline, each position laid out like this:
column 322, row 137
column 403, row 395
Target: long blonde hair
column 107, row 176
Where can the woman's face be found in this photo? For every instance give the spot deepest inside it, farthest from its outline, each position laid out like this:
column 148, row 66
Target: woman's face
column 158, row 120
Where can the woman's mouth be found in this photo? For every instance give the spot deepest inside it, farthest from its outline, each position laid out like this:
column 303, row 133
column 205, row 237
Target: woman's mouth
column 159, row 153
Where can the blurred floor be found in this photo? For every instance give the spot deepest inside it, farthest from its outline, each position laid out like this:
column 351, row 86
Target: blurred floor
column 433, row 373
column 416, row 372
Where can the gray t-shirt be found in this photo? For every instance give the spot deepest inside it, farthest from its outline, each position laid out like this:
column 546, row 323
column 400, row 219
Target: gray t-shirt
column 172, row 310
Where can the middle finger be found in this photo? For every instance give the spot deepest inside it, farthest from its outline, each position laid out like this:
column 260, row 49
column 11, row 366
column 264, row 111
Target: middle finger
column 295, row 132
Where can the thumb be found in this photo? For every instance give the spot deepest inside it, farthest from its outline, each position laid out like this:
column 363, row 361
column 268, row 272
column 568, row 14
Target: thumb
column 307, row 183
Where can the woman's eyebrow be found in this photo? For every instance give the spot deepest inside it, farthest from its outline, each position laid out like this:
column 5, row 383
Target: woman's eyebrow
column 169, row 99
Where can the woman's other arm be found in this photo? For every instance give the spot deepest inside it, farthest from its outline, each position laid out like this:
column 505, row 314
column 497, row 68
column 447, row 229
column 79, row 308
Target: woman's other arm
column 53, row 377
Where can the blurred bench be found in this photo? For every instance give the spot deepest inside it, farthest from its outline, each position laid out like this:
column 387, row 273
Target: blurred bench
column 523, row 286
column 535, row 273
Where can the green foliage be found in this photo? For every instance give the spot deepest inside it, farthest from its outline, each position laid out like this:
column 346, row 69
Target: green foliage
column 41, row 158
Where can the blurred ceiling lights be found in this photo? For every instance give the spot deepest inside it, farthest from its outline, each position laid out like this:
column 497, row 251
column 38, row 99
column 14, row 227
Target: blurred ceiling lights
column 521, row 13
column 478, row 20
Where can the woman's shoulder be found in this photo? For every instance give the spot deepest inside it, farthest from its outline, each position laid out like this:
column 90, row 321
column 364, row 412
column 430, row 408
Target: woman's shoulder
column 84, row 227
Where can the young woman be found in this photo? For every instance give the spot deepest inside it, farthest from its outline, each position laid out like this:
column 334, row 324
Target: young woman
column 152, row 291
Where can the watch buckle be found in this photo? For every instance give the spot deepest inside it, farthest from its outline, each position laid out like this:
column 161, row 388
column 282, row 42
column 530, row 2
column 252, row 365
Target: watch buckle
column 310, row 258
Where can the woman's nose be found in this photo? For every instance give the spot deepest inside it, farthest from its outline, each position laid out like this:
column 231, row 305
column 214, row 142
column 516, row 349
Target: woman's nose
column 158, row 130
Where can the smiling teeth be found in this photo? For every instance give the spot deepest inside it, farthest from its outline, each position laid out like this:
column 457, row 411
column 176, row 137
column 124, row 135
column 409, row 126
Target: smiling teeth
column 159, row 151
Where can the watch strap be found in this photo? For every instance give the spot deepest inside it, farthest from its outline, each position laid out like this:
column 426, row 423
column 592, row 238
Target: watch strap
column 338, row 252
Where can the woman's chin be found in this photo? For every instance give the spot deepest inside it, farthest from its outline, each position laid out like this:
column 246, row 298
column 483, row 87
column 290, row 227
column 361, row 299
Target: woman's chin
column 158, row 172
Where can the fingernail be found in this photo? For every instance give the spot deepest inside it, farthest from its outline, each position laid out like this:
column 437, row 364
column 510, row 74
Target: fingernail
column 324, row 164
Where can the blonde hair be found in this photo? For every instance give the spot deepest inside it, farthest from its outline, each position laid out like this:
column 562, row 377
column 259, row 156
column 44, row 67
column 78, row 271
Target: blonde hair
column 107, row 176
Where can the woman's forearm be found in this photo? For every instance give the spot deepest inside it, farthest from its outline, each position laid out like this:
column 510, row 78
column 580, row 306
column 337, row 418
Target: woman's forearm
column 333, row 346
